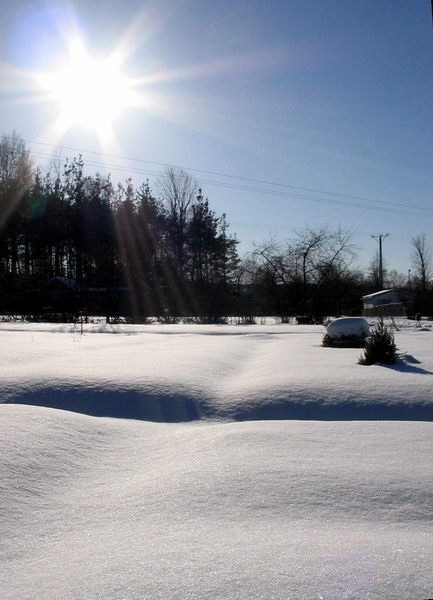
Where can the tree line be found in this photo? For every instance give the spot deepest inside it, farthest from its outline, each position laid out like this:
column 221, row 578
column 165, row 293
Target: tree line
column 137, row 254
column 72, row 242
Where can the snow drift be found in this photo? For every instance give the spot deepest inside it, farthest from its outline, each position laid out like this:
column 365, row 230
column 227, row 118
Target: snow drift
column 103, row 509
column 107, row 509
column 183, row 373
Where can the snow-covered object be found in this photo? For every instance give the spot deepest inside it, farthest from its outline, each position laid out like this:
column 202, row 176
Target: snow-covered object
column 348, row 326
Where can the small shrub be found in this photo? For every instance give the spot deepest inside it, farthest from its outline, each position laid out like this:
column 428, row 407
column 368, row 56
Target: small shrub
column 247, row 320
column 380, row 347
column 206, row 320
column 167, row 319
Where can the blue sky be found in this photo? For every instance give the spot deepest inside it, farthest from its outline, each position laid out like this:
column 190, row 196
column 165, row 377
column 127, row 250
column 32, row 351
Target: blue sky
column 289, row 113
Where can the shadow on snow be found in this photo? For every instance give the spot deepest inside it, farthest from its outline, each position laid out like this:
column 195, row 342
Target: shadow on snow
column 116, row 404
column 172, row 408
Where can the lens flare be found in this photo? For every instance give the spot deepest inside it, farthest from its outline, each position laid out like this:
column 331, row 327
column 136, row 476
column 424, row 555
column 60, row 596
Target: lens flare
column 89, row 92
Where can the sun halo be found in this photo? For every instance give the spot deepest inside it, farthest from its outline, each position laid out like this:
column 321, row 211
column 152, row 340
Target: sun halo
column 90, row 93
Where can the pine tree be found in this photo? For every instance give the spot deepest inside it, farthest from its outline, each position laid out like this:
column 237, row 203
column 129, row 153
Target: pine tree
column 380, row 347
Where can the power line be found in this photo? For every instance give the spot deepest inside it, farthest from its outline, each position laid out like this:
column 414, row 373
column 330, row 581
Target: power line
column 269, row 192
column 249, row 179
column 351, row 200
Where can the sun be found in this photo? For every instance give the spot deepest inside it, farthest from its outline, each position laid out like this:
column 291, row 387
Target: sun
column 89, row 92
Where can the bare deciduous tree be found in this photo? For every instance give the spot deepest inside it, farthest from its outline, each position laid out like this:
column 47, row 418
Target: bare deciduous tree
column 395, row 279
column 16, row 171
column 315, row 257
column 422, row 259
column 177, row 190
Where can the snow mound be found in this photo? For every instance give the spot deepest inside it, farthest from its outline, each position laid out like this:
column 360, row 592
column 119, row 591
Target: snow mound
column 348, row 326
column 108, row 509
column 187, row 373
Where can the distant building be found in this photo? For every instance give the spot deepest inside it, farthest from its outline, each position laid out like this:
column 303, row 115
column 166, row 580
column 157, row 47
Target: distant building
column 58, row 297
column 391, row 302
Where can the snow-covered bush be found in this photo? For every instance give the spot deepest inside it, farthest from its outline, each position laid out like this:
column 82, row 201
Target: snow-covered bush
column 346, row 331
column 380, row 347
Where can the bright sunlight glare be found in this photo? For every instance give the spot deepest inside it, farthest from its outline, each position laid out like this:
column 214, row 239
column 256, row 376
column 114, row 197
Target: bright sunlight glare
column 94, row 92
column 89, row 92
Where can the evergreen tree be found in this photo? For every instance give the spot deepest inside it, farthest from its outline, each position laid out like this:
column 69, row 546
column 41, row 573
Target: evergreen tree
column 380, row 347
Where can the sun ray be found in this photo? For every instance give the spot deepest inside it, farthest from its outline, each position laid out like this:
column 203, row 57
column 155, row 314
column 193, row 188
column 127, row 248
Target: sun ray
column 77, row 90
column 90, row 93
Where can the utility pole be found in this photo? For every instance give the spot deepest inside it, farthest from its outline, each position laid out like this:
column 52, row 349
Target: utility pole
column 380, row 237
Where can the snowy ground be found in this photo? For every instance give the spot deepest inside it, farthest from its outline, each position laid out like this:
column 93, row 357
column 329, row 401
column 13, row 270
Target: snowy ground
column 196, row 495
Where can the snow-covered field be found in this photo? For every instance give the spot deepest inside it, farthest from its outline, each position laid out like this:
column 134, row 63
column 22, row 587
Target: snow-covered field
column 250, row 462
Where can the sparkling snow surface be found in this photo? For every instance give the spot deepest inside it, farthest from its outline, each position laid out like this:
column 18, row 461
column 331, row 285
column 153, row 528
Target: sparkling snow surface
column 337, row 504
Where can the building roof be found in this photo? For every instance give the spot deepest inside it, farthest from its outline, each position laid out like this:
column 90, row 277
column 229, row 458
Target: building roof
column 401, row 293
column 70, row 284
